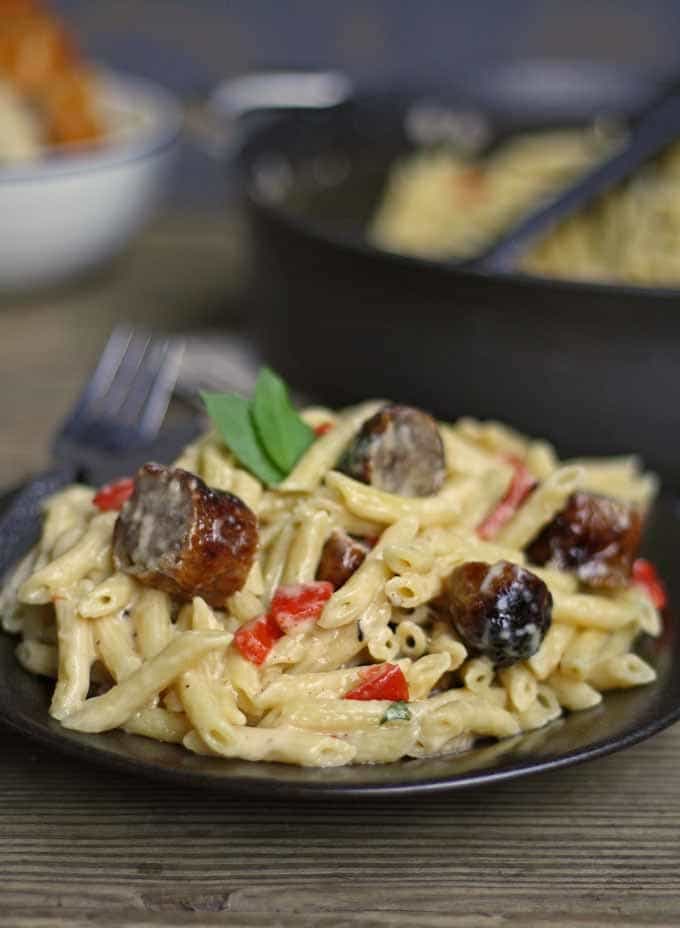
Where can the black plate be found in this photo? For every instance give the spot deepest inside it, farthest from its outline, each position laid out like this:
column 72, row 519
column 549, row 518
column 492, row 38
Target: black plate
column 624, row 718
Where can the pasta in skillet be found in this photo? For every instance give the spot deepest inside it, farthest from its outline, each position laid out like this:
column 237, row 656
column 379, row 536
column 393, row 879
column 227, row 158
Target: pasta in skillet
column 439, row 204
column 405, row 589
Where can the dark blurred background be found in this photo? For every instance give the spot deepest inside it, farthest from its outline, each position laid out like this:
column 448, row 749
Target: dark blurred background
column 189, row 46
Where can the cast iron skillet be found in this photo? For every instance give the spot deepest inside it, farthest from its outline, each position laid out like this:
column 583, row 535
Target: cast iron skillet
column 591, row 366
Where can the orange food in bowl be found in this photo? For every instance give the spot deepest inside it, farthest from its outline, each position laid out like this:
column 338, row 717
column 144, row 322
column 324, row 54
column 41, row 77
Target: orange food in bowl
column 40, row 60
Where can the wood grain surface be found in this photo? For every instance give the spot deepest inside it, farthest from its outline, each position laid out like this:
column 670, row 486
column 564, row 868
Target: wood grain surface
column 595, row 845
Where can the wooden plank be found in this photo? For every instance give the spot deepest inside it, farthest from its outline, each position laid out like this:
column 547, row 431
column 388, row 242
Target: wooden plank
column 596, row 844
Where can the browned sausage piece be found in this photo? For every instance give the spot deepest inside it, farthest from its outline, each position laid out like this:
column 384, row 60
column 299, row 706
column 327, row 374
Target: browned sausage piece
column 178, row 535
column 399, row 450
column 340, row 557
column 595, row 536
column 501, row 610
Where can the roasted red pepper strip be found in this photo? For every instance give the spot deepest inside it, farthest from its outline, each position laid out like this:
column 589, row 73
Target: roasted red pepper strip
column 322, row 428
column 256, row 638
column 645, row 575
column 298, row 602
column 522, row 484
column 113, row 495
column 290, row 605
column 386, row 681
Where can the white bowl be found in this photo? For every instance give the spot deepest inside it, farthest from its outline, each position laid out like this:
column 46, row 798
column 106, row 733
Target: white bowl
column 67, row 212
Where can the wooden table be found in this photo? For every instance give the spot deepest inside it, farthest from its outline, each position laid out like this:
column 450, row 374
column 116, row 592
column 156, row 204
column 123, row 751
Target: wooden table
column 596, row 845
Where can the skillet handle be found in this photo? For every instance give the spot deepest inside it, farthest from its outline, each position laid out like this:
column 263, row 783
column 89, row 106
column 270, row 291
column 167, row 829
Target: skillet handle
column 217, row 125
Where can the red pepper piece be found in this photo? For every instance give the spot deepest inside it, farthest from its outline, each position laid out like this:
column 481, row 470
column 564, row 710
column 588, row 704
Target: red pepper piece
column 256, row 638
column 646, row 575
column 299, row 602
column 322, row 428
column 112, row 496
column 522, row 484
column 386, row 681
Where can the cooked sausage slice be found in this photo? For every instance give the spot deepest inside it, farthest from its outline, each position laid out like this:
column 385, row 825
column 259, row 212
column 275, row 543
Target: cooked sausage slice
column 399, row 450
column 501, row 610
column 340, row 557
column 595, row 536
column 178, row 535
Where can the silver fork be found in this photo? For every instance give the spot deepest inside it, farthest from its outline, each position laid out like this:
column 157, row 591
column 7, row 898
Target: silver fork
column 125, row 400
column 117, row 416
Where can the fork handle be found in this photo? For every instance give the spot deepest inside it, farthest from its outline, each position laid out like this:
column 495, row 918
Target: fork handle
column 19, row 519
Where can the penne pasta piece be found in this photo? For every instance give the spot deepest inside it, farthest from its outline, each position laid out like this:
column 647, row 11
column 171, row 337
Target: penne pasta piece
column 408, row 557
column 243, row 676
column 114, row 708
column 111, row 595
column 202, row 696
column 467, row 715
column 648, row 618
column 541, row 506
column 477, row 674
column 574, row 695
column 620, row 672
column 521, row 685
column 618, row 642
column 247, row 488
column 276, row 559
column 444, row 641
column 466, row 458
column 91, row 552
column 544, row 709
column 353, row 598
column 557, row 581
column 384, row 745
column 152, row 622
column 412, row 640
column 382, row 644
column 305, row 551
column 549, row 655
column 282, row 745
column 423, row 674
column 114, row 645
column 331, row 715
column 76, row 654
column 582, row 651
column 585, row 610
column 491, row 488
column 410, row 590
column 492, row 436
column 325, row 452
column 159, row 724
column 619, row 477
column 69, row 509
column 541, row 459
column 327, row 685
column 216, row 466
column 387, row 508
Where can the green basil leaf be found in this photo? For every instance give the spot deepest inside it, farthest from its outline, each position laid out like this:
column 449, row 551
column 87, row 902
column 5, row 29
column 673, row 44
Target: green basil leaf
column 232, row 417
column 283, row 434
column 396, row 712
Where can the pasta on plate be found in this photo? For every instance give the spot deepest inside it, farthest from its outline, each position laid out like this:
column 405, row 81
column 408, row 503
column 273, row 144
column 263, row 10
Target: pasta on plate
column 407, row 588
